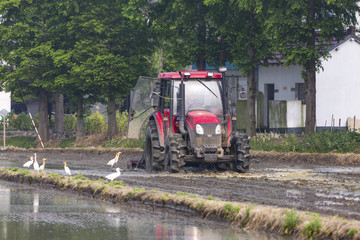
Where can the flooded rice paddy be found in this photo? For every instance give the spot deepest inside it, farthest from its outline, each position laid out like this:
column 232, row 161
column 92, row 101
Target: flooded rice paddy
column 33, row 213
column 320, row 188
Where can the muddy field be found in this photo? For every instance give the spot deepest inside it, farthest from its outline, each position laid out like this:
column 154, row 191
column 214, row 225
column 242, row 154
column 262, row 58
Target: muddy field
column 326, row 184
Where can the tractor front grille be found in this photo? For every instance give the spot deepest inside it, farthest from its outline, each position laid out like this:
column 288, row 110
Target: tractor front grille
column 209, row 129
column 205, row 140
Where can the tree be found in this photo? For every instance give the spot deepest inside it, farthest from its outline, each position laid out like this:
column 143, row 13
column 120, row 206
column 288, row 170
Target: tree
column 186, row 33
column 242, row 28
column 113, row 45
column 303, row 31
column 28, row 37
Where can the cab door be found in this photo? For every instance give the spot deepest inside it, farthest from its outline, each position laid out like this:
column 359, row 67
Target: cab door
column 144, row 98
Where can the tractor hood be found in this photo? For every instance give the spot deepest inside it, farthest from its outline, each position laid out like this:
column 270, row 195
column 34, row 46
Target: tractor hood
column 195, row 117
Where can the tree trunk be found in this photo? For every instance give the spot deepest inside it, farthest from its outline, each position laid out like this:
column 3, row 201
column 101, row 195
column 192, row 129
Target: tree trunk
column 161, row 60
column 310, row 71
column 59, row 113
column 310, row 83
column 251, row 94
column 79, row 119
column 222, row 54
column 112, row 124
column 251, row 84
column 43, row 116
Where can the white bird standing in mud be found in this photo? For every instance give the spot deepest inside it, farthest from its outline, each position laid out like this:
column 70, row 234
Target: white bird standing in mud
column 28, row 163
column 112, row 176
column 43, row 165
column 36, row 164
column 67, row 169
column 114, row 160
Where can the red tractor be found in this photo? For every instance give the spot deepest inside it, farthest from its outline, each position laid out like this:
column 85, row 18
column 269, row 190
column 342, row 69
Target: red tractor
column 188, row 123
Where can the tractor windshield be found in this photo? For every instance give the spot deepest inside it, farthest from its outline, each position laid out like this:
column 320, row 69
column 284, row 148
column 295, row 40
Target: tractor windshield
column 199, row 95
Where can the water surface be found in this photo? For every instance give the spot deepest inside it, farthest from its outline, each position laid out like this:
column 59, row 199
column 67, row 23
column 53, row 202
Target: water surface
column 32, row 213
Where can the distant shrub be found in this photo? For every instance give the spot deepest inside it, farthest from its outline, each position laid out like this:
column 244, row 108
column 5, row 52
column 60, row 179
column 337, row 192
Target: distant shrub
column 122, row 121
column 262, row 143
column 23, row 122
column 319, row 142
column 70, row 122
column 95, row 123
column 326, row 141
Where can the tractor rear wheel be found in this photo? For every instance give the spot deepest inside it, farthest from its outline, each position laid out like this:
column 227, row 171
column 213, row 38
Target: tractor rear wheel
column 241, row 150
column 154, row 157
column 174, row 153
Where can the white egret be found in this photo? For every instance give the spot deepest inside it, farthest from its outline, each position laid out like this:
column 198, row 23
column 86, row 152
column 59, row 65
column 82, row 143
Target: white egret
column 112, row 176
column 43, row 165
column 114, row 160
column 36, row 164
column 28, row 163
column 67, row 169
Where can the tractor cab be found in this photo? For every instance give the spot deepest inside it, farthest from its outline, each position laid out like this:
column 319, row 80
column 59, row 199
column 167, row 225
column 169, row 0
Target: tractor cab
column 187, row 121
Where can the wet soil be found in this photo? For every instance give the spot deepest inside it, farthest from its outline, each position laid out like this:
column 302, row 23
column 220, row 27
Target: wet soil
column 329, row 186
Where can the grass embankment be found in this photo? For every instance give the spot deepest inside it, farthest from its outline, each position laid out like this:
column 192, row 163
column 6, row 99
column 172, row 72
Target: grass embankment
column 95, row 140
column 277, row 220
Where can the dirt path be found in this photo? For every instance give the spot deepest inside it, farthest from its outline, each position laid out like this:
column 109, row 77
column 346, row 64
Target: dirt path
column 326, row 188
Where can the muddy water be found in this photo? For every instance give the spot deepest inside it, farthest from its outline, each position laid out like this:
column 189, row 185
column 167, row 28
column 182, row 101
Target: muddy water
column 329, row 190
column 32, row 213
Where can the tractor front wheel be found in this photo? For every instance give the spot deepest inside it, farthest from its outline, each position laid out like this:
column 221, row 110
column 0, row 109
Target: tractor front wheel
column 154, row 158
column 174, row 153
column 241, row 150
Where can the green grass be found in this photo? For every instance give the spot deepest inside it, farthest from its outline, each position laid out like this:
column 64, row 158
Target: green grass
column 67, row 143
column 290, row 221
column 125, row 143
column 320, row 142
column 313, row 227
column 22, row 142
column 352, row 232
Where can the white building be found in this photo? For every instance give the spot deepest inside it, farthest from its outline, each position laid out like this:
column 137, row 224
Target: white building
column 5, row 101
column 281, row 91
column 338, row 86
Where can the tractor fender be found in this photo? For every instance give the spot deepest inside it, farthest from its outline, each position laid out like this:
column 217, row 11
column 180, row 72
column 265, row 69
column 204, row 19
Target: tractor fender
column 157, row 116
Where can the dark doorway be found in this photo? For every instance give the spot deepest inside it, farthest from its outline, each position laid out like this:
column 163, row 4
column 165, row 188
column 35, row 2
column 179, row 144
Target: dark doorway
column 269, row 95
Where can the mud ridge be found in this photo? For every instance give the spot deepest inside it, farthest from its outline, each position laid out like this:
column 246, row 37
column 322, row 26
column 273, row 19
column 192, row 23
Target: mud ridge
column 275, row 220
column 330, row 159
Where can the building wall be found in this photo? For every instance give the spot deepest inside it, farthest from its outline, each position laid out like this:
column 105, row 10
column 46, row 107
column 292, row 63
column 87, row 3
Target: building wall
column 338, row 86
column 5, row 101
column 284, row 79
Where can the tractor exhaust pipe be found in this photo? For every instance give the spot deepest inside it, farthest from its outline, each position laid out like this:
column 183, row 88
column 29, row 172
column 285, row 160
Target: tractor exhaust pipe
column 182, row 108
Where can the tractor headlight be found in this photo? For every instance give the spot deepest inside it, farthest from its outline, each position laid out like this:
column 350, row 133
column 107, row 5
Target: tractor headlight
column 199, row 129
column 218, row 129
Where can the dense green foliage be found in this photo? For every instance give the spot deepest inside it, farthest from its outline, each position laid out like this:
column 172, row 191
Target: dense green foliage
column 95, row 123
column 69, row 122
column 20, row 122
column 320, row 142
column 122, row 122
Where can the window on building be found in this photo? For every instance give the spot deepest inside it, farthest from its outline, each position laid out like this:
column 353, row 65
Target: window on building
column 300, row 92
